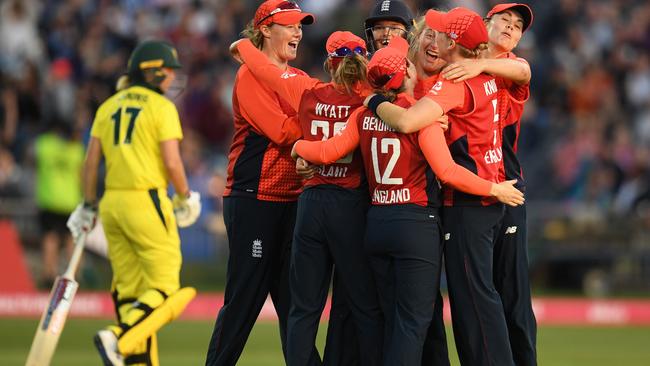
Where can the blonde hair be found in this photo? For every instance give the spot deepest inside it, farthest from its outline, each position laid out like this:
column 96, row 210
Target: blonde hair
column 418, row 28
column 254, row 34
column 466, row 52
column 123, row 82
column 475, row 53
column 350, row 71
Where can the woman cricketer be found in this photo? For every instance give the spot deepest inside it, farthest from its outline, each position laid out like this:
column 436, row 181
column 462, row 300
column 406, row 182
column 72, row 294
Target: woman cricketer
column 137, row 131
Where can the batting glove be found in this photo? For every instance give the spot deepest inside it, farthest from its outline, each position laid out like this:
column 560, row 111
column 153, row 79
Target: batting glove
column 187, row 209
column 82, row 219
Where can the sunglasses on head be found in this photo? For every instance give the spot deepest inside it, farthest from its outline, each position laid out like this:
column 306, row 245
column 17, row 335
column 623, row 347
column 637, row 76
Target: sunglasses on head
column 347, row 51
column 282, row 7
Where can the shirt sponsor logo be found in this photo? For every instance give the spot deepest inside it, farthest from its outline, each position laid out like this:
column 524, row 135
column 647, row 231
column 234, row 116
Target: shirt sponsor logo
column 333, row 171
column 436, row 88
column 287, row 75
column 257, row 248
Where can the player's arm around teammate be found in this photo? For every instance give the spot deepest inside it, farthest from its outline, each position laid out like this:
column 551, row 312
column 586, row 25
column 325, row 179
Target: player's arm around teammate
column 334, row 199
column 506, row 24
column 261, row 188
column 470, row 221
column 137, row 132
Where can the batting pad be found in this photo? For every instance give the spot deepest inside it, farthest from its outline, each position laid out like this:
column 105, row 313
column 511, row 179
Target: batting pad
column 169, row 310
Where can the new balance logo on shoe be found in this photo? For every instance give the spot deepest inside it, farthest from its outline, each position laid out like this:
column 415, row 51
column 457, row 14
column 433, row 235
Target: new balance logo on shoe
column 511, row 229
column 257, row 248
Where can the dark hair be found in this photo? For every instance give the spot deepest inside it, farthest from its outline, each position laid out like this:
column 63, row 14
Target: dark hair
column 350, row 71
column 391, row 94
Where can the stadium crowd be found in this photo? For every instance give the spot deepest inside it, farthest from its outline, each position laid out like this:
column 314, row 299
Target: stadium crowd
column 585, row 138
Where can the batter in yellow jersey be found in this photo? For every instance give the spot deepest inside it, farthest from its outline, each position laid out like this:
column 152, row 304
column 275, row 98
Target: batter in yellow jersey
column 137, row 131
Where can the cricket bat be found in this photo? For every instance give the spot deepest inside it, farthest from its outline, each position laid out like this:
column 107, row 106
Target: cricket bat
column 54, row 316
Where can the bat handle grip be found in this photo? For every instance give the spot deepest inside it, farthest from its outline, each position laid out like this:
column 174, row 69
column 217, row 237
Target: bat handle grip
column 76, row 256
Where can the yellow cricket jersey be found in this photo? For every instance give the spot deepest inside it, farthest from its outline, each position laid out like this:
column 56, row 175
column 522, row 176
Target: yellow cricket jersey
column 130, row 125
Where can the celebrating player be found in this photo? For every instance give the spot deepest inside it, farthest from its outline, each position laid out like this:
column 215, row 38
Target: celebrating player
column 388, row 19
column 471, row 221
column 335, row 198
column 403, row 234
column 137, row 130
column 505, row 25
column 262, row 188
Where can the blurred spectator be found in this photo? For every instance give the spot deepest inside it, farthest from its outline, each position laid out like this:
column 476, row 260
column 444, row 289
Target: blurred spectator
column 59, row 158
column 586, row 130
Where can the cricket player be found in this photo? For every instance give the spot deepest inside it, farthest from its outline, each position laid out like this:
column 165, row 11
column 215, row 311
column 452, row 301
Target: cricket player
column 331, row 217
column 403, row 236
column 470, row 221
column 137, row 131
column 506, row 24
column 388, row 19
column 261, row 189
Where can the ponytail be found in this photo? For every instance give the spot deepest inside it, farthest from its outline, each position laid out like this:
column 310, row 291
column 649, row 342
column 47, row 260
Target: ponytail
column 123, row 82
column 350, row 71
column 475, row 53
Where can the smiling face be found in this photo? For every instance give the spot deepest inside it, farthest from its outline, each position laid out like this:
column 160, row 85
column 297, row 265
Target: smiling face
column 427, row 57
column 281, row 41
column 384, row 30
column 505, row 30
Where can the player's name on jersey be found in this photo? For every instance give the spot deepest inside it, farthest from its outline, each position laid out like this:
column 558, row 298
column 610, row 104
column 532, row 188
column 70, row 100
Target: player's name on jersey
column 375, row 124
column 333, row 171
column 490, row 87
column 339, row 112
column 134, row 96
column 391, row 196
column 493, row 156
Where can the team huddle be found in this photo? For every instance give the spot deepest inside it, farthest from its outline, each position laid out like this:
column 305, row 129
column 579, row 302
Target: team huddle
column 406, row 156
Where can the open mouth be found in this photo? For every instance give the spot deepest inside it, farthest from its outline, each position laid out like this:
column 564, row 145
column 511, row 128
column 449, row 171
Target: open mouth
column 385, row 41
column 506, row 34
column 431, row 54
column 293, row 45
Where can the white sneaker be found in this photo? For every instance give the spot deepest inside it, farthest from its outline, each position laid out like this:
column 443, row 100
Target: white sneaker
column 106, row 343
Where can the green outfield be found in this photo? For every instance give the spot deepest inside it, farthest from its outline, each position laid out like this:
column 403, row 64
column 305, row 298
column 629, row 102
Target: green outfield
column 184, row 343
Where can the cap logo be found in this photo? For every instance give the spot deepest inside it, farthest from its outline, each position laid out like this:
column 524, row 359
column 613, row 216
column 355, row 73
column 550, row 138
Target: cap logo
column 385, row 5
column 174, row 53
column 453, row 35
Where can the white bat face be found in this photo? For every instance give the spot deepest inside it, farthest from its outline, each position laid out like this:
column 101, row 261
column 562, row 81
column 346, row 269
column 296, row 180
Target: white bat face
column 59, row 305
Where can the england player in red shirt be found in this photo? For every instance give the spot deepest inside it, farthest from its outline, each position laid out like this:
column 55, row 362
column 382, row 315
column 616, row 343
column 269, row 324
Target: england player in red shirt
column 471, row 222
column 332, row 209
column 505, row 24
column 403, row 233
column 262, row 188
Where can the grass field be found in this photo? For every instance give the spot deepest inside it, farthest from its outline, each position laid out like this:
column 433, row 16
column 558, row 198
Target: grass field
column 185, row 342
